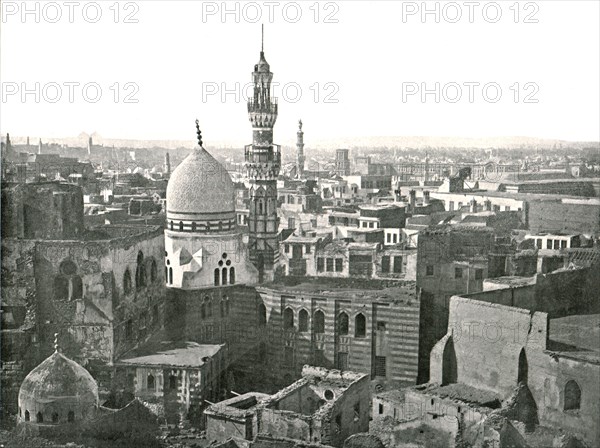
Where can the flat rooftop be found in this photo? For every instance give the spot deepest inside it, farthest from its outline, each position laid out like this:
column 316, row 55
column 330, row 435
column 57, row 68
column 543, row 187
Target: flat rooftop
column 576, row 336
column 170, row 354
column 346, row 287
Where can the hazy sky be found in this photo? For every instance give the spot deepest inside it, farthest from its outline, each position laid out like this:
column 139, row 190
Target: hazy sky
column 373, row 59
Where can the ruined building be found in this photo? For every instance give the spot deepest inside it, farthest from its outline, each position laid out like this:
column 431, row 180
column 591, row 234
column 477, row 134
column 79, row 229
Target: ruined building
column 322, row 407
column 101, row 289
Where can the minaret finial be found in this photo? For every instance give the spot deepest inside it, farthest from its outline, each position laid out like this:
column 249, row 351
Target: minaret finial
column 262, row 41
column 199, row 133
column 300, row 124
column 55, row 342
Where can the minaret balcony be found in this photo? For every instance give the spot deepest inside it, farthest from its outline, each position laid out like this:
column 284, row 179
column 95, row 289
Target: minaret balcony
column 269, row 107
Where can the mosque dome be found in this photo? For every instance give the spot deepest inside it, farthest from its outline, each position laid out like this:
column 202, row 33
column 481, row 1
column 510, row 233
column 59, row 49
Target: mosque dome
column 200, row 185
column 57, row 391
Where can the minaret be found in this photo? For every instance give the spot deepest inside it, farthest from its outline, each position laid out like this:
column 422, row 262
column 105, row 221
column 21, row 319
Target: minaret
column 262, row 164
column 300, row 151
column 8, row 145
column 90, row 144
column 167, row 167
column 40, row 146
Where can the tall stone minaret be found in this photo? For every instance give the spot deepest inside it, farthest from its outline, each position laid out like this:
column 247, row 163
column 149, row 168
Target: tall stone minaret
column 167, row 167
column 40, row 146
column 90, row 145
column 262, row 165
column 300, row 151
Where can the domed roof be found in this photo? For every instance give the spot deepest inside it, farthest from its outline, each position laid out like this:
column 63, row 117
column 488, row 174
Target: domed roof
column 200, row 185
column 58, row 377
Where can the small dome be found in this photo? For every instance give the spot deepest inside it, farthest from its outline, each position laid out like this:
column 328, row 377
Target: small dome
column 58, row 386
column 201, row 186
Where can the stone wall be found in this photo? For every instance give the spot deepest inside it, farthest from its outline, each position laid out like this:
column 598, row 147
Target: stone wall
column 497, row 346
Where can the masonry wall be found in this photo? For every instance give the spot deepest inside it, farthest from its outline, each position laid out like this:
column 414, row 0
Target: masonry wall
column 398, row 342
column 496, row 345
column 352, row 422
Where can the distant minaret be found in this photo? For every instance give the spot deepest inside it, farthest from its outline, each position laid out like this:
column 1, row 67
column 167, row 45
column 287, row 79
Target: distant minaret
column 40, row 146
column 90, row 144
column 300, row 151
column 167, row 167
column 8, row 145
column 262, row 165
column 27, row 144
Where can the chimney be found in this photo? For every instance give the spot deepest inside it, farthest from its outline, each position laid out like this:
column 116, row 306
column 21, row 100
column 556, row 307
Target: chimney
column 413, row 199
column 425, row 197
column 473, row 206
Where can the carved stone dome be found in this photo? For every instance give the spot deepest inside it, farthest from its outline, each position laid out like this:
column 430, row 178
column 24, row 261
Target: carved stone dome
column 200, row 189
column 57, row 391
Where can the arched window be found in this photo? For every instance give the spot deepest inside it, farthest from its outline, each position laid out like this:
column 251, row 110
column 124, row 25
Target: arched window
column 572, row 396
column 220, row 225
column 260, row 207
column 171, row 225
column 232, row 275
column 203, row 310
column 522, row 369
column 342, row 324
column 140, row 272
column 153, row 271
column 262, row 315
column 193, row 227
column 167, row 275
column 288, row 319
column 27, row 418
column 303, row 321
column 217, row 276
column 151, row 382
column 68, row 285
column 127, row 281
column 55, row 417
column 224, row 277
column 360, row 326
column 319, row 322
column 181, row 225
column 171, row 276
column 39, row 417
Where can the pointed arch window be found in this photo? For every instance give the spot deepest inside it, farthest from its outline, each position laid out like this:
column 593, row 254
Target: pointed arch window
column 153, row 271
column 181, row 226
column 232, row 275
column 262, row 315
column 303, row 321
column 127, row 281
column 342, row 324
column 224, row 276
column 27, row 417
column 319, row 323
column 171, row 276
column 572, row 396
column 140, row 272
column 288, row 319
column 217, row 276
column 360, row 326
